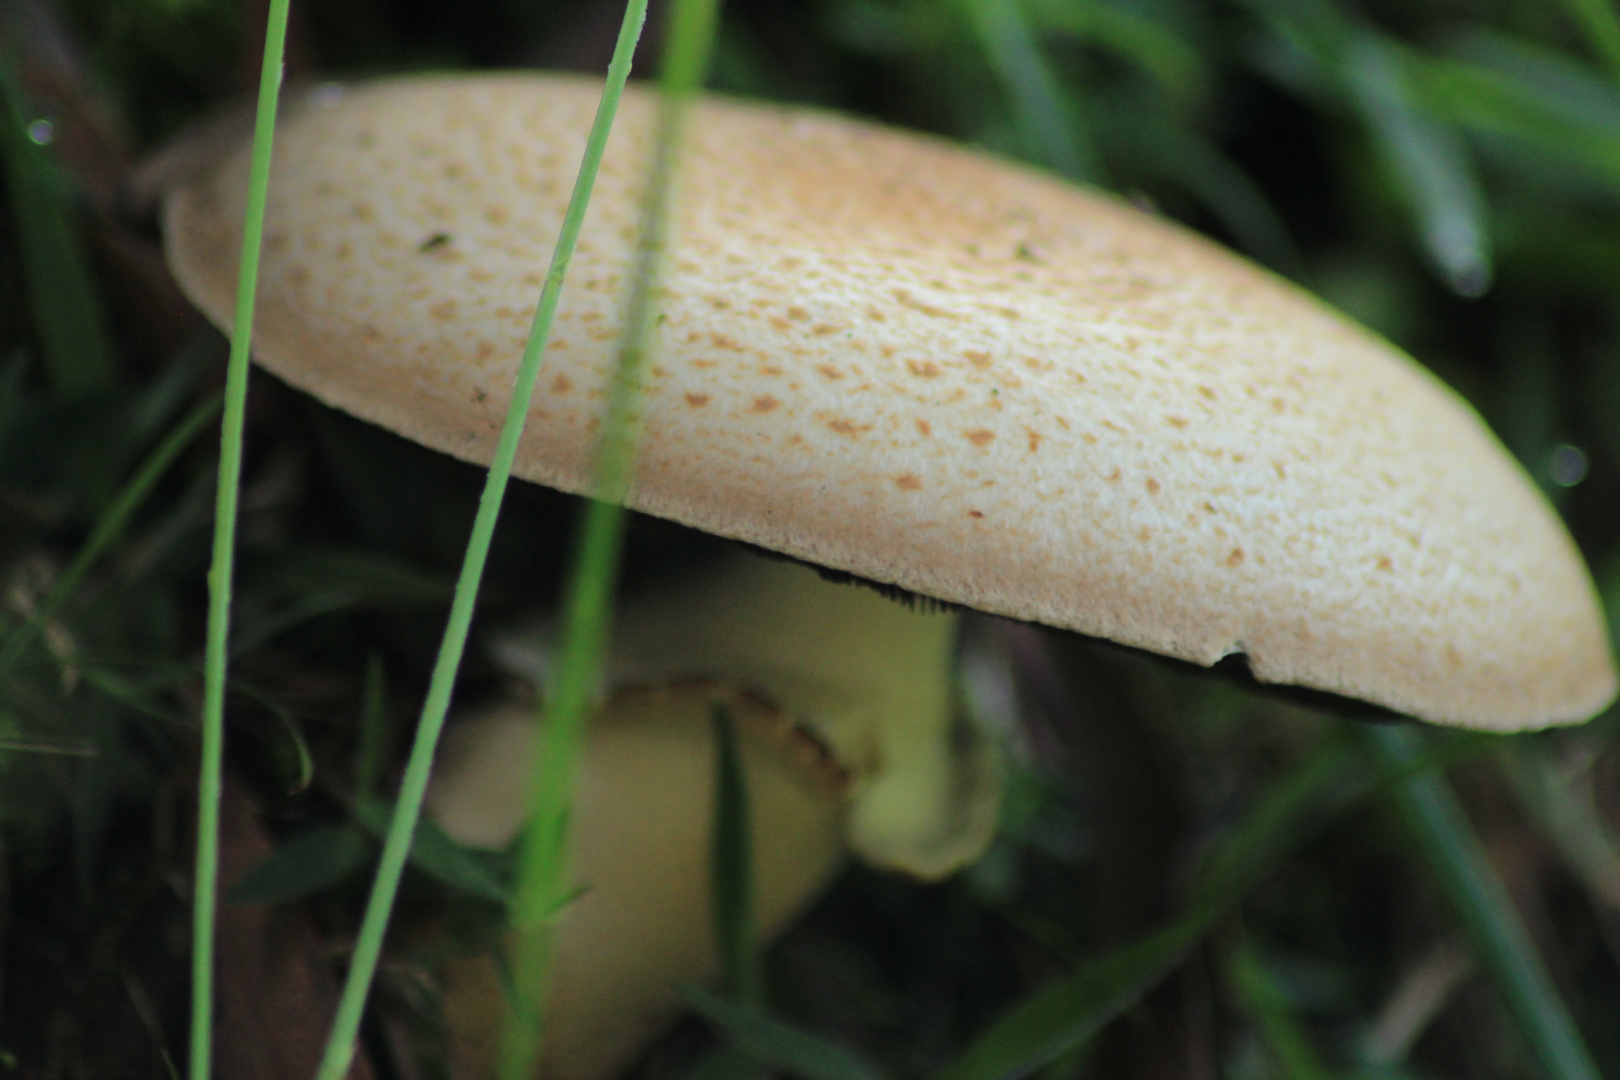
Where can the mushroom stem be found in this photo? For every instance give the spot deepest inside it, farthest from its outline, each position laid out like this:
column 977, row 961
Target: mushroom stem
column 640, row 926
column 870, row 677
column 850, row 739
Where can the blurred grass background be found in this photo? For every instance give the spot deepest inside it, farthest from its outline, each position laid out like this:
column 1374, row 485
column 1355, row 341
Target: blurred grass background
column 1446, row 171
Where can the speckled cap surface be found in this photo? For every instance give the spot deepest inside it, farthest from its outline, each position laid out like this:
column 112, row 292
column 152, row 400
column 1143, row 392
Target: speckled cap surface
column 888, row 355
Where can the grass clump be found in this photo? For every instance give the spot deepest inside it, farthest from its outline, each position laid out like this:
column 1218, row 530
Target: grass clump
column 1213, row 863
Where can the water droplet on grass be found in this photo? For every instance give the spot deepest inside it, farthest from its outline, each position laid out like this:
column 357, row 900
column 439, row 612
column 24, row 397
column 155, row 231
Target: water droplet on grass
column 1567, row 465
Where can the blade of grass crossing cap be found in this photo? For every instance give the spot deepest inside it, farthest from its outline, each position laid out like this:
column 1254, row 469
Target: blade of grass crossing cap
column 1463, row 872
column 219, row 575
column 542, row 880
column 408, row 808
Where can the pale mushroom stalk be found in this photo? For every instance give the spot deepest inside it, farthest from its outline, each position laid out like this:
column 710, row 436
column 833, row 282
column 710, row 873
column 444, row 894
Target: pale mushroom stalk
column 640, row 926
column 846, row 699
column 868, row 676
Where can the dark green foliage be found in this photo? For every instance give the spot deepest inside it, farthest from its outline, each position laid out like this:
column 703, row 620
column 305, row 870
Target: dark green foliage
column 312, row 861
column 1191, row 879
column 778, row 1045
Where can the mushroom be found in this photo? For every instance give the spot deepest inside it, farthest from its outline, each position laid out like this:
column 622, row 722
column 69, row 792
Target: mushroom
column 641, row 927
column 846, row 698
column 868, row 678
column 920, row 366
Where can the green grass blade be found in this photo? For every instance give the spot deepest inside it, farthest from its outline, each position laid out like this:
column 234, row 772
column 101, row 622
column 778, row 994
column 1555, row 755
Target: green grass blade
column 728, row 1062
column 69, row 322
column 779, row 1045
column 315, row 859
column 1567, row 812
column 373, row 731
column 1038, row 102
column 1568, row 90
column 1598, row 21
column 732, row 867
column 542, row 883
column 472, row 870
column 1327, row 782
column 1448, row 844
column 1498, row 85
column 224, row 554
column 1199, row 167
column 1063, row 1015
column 413, row 787
column 1259, row 995
column 1428, row 162
column 1176, row 65
column 108, row 528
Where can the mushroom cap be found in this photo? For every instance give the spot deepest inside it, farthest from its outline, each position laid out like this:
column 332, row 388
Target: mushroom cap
column 885, row 354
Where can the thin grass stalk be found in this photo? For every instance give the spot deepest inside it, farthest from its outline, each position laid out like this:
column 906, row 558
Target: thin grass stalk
column 413, row 787
column 731, row 867
column 206, row 877
column 1447, row 842
column 542, row 880
column 107, row 528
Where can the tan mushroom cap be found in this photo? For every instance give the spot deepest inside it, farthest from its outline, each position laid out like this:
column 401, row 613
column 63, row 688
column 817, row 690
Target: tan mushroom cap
column 885, row 354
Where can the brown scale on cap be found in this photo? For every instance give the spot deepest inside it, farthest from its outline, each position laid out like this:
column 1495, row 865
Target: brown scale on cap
column 985, row 385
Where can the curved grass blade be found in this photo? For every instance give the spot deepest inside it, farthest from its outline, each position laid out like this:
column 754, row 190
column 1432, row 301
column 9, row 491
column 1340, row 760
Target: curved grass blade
column 315, row 859
column 732, row 866
column 728, row 1062
column 1564, row 87
column 68, row 318
column 1499, row 86
column 108, row 528
column 780, row 1045
column 224, row 554
column 1060, row 1017
column 1038, row 102
column 1566, row 809
column 413, row 788
column 1428, row 162
column 1447, row 843
column 1178, row 67
column 1600, row 24
column 472, row 870
column 1195, row 164
column 1259, row 995
column 1056, row 1019
column 542, row 882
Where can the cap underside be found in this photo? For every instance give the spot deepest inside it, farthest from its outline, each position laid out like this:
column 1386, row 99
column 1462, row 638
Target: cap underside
column 894, row 357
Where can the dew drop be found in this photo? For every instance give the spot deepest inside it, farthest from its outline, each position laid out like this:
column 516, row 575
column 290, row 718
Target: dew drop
column 1567, row 465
